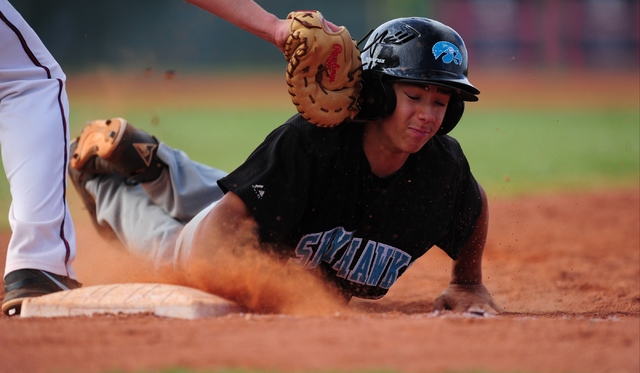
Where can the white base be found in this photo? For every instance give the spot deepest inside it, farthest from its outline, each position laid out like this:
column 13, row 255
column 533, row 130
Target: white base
column 160, row 299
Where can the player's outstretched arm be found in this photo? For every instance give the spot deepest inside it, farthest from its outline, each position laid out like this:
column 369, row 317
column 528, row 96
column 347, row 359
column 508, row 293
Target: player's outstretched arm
column 249, row 16
column 466, row 292
column 227, row 228
column 226, row 260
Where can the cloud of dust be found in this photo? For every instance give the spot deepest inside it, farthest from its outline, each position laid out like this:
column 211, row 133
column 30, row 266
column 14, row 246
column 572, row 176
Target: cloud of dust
column 253, row 278
column 238, row 271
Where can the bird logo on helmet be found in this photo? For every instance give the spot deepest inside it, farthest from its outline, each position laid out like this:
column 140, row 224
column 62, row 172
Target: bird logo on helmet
column 450, row 52
column 416, row 50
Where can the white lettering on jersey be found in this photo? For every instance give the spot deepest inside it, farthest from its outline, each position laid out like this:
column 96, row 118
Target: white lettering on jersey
column 378, row 264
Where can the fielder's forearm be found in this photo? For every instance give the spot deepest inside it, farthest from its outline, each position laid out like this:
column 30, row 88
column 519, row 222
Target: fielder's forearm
column 245, row 14
column 467, row 269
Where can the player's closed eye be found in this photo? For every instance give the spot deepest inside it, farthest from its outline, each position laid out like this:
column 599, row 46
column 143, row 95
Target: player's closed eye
column 417, row 98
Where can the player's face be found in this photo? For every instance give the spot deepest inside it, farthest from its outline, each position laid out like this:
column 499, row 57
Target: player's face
column 417, row 117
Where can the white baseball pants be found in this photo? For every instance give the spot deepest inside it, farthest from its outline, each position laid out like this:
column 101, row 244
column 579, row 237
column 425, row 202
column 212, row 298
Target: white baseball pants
column 34, row 137
column 156, row 220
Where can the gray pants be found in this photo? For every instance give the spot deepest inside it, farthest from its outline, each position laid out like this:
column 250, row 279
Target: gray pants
column 157, row 220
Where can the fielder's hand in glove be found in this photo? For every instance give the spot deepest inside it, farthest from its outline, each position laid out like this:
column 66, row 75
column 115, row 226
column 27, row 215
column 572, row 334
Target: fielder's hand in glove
column 473, row 298
column 324, row 69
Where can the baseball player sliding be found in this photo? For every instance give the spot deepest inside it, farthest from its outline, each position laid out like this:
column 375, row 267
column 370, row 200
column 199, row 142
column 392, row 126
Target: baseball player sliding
column 34, row 115
column 353, row 201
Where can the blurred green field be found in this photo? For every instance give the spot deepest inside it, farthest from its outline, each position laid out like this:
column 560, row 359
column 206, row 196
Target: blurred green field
column 523, row 152
column 512, row 152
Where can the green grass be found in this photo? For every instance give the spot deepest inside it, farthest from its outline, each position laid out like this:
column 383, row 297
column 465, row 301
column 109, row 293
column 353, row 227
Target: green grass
column 521, row 152
column 220, row 138
column 534, row 150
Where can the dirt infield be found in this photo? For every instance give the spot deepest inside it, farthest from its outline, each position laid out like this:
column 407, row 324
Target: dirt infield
column 566, row 267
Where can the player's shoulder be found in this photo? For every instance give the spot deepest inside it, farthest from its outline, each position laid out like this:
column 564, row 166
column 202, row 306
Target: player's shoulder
column 321, row 137
column 308, row 129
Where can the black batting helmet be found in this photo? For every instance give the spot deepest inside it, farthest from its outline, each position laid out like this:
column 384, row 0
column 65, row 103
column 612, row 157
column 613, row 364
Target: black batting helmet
column 415, row 50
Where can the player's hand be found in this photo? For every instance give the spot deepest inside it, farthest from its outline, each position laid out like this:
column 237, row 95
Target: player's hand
column 283, row 29
column 467, row 298
column 281, row 33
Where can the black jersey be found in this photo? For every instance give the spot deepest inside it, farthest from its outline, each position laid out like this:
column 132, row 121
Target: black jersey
column 313, row 195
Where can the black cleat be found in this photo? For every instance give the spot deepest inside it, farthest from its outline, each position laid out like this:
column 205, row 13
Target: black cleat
column 29, row 283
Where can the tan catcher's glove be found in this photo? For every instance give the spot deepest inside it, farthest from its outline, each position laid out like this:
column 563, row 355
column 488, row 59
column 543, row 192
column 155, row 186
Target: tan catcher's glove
column 324, row 70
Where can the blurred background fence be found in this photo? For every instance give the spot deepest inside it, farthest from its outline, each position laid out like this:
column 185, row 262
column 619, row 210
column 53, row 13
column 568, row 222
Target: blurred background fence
column 86, row 35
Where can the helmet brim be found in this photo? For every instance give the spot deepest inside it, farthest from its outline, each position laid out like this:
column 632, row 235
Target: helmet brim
column 462, row 89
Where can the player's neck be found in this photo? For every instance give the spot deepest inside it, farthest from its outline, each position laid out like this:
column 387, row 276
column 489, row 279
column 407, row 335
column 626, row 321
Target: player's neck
column 382, row 160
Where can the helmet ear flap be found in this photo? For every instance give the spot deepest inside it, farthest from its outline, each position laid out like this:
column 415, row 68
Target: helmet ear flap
column 377, row 98
column 452, row 116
